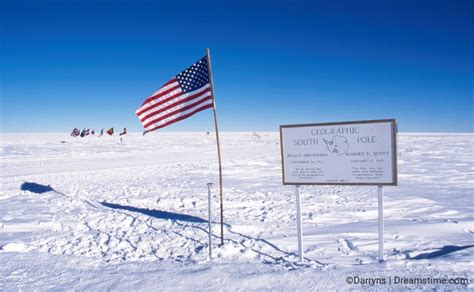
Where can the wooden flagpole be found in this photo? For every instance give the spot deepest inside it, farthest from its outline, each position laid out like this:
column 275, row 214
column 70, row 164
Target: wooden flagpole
column 218, row 144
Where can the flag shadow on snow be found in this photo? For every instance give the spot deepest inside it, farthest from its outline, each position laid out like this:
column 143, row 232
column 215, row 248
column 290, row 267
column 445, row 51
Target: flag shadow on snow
column 156, row 213
column 38, row 188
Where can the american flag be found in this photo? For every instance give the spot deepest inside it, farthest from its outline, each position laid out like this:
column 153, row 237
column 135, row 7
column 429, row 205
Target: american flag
column 185, row 94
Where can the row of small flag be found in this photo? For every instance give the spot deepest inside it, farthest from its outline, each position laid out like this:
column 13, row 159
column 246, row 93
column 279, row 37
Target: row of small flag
column 86, row 132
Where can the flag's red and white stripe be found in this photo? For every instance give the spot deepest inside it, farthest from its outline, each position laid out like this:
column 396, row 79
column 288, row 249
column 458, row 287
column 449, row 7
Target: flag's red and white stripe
column 170, row 104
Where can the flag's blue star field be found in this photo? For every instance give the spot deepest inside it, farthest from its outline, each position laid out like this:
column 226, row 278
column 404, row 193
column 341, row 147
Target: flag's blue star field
column 195, row 77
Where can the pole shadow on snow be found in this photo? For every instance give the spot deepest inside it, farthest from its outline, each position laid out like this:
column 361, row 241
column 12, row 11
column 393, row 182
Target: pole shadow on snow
column 193, row 219
column 447, row 249
column 38, row 188
column 156, row 213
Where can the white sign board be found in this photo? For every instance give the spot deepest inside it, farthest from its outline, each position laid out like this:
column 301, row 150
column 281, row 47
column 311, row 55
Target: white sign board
column 346, row 153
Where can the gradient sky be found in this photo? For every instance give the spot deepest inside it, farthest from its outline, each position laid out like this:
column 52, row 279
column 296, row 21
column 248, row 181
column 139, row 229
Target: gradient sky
column 90, row 64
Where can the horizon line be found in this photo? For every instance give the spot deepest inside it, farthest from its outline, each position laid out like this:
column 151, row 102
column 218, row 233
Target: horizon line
column 243, row 131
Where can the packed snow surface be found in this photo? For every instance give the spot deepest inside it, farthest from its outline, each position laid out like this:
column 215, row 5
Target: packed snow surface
column 99, row 213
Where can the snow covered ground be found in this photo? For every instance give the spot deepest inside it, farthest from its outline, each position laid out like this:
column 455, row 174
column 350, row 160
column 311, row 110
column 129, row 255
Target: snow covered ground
column 96, row 214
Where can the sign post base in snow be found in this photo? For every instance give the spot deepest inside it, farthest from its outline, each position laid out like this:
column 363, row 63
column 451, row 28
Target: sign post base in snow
column 380, row 195
column 298, row 223
column 209, row 218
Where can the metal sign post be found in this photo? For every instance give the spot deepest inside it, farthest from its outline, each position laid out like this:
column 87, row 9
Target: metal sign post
column 298, row 223
column 380, row 195
column 209, row 218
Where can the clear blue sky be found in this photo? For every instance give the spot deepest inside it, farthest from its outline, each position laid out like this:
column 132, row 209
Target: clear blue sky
column 90, row 64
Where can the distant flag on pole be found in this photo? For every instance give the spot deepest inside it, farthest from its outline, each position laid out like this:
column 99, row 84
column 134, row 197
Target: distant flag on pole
column 184, row 95
column 75, row 132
